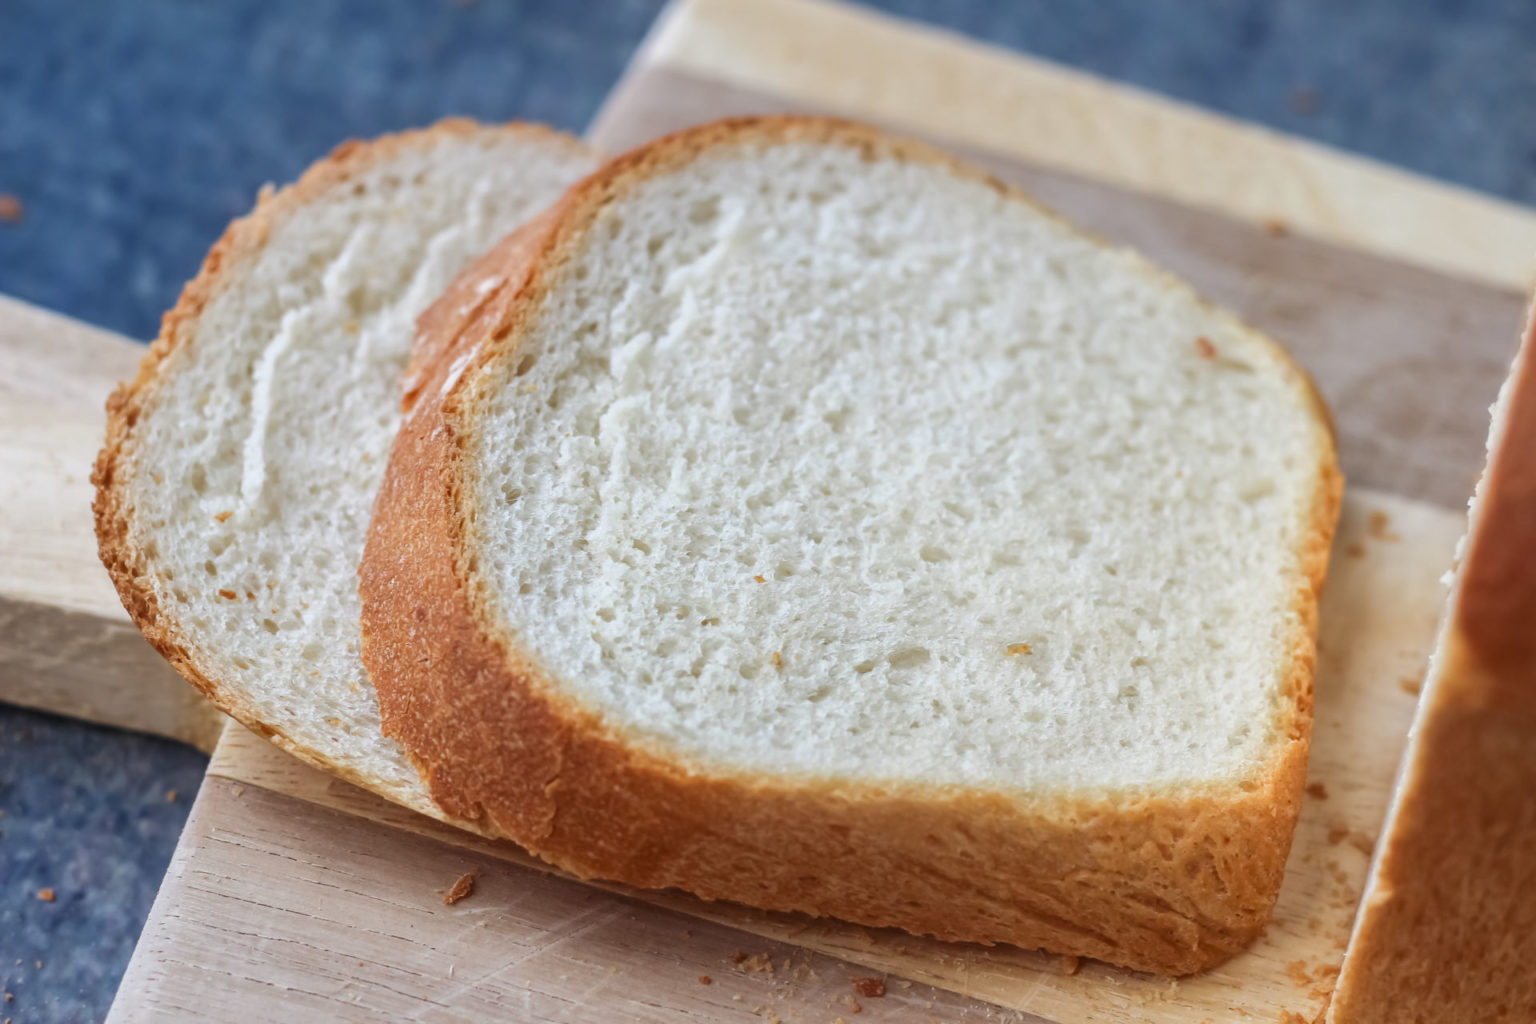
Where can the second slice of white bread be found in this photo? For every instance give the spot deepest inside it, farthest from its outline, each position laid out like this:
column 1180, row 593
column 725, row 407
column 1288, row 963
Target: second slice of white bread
column 809, row 521
column 240, row 466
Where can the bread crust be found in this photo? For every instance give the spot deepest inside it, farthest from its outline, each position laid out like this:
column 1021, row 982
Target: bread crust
column 241, row 242
column 1447, row 925
column 1163, row 882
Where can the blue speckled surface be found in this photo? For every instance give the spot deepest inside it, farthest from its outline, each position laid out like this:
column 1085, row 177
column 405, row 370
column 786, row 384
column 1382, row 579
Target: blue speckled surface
column 132, row 131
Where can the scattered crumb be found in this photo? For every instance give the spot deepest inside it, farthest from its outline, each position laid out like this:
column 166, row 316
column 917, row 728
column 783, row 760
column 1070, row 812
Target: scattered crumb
column 238, row 789
column 10, row 209
column 1205, row 348
column 361, row 964
column 46, row 895
column 462, row 888
column 1317, row 791
column 1337, row 833
column 1297, row 969
column 1066, row 966
column 1013, row 649
column 1355, row 550
column 759, row 579
column 705, row 979
column 1377, row 527
column 757, row 963
column 869, row 988
column 854, row 1006
column 1410, row 685
column 738, row 956
column 777, row 660
column 904, row 983
column 170, row 796
column 1305, row 100
column 351, row 326
column 224, row 516
column 228, row 595
column 1274, row 227
column 1362, row 842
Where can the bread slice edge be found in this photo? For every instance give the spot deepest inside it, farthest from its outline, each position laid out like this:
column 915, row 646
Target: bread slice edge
column 242, row 241
column 529, row 763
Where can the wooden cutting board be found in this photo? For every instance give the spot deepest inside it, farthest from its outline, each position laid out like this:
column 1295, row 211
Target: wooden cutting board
column 293, row 893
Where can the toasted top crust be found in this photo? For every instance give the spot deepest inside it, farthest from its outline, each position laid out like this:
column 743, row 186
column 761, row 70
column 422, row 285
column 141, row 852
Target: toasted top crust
column 501, row 743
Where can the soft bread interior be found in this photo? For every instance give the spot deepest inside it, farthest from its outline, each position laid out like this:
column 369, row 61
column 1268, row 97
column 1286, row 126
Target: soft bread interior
column 252, row 473
column 817, row 464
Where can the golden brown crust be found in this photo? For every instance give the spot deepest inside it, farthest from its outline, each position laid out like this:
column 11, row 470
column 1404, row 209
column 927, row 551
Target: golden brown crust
column 1447, row 926
column 241, row 242
column 1168, row 883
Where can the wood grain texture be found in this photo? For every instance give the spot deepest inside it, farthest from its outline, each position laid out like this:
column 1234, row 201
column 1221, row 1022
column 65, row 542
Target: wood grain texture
column 1377, row 624
column 274, row 909
column 66, row 645
column 878, row 68
column 1408, row 359
column 285, row 874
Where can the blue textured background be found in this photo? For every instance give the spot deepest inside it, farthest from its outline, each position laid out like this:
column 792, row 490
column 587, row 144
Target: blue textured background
column 132, row 131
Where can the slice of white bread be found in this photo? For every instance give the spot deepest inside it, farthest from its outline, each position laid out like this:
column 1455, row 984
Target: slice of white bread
column 240, row 466
column 807, row 520
column 1447, row 924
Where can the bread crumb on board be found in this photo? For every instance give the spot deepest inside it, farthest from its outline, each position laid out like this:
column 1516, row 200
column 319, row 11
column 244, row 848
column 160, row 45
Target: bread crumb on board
column 705, row 979
column 869, row 988
column 1317, row 791
column 1065, row 965
column 1014, row 649
column 1205, row 348
column 757, row 963
column 11, row 210
column 854, row 1006
column 1410, row 685
column 170, row 796
column 465, row 886
column 46, row 895
column 1377, row 527
column 1274, row 227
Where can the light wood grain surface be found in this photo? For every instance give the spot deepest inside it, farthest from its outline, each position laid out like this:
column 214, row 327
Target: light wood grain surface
column 1377, row 626
column 66, row 644
column 285, row 873
column 877, row 68
column 288, row 911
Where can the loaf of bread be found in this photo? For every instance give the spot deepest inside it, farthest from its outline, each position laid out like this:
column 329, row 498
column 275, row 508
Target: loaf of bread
column 240, row 466
column 802, row 518
column 1447, row 925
